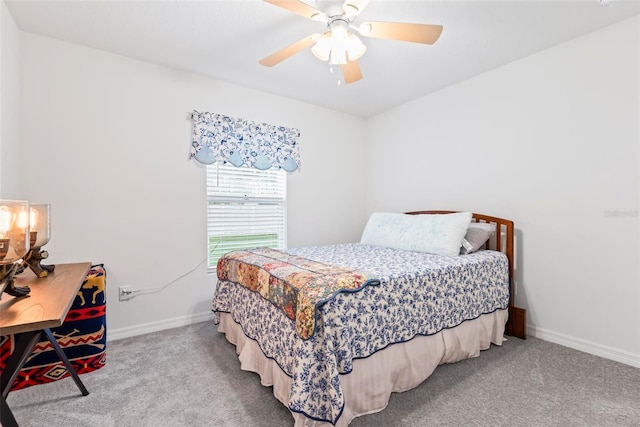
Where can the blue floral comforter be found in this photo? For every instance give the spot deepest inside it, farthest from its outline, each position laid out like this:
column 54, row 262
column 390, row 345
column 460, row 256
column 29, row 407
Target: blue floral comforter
column 419, row 294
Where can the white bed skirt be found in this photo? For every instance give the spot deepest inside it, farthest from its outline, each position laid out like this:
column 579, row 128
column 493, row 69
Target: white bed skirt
column 397, row 368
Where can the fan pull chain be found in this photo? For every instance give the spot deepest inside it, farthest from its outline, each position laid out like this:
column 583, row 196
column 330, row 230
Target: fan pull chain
column 331, row 71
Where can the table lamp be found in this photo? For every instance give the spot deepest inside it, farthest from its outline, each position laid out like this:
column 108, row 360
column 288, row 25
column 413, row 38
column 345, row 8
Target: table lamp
column 39, row 235
column 14, row 244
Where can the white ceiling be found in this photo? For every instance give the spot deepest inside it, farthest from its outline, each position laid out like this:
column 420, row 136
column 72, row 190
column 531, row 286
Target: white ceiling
column 225, row 40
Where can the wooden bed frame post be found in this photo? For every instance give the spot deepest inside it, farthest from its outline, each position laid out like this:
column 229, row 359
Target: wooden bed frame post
column 517, row 323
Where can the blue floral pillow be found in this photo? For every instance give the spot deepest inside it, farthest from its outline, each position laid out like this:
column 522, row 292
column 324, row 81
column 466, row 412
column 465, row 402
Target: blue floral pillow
column 439, row 234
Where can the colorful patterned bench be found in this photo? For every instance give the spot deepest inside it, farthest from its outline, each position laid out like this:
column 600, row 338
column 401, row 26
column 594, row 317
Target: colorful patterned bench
column 82, row 336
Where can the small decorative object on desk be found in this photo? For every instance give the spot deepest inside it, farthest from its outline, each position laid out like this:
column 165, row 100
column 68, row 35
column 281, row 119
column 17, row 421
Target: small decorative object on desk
column 14, row 244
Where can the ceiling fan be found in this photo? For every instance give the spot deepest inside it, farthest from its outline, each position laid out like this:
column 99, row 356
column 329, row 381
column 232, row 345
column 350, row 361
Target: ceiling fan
column 338, row 44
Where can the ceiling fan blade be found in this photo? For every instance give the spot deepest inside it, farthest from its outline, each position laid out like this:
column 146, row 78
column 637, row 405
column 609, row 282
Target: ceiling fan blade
column 351, row 72
column 354, row 7
column 416, row 33
column 300, row 8
column 292, row 49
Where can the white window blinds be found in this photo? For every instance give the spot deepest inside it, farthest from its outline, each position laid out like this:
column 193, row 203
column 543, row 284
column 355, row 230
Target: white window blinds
column 246, row 209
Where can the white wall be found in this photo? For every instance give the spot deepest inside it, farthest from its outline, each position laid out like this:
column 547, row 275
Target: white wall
column 9, row 105
column 552, row 142
column 106, row 141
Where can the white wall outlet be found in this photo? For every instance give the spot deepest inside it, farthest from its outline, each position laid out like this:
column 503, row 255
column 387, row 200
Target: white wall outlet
column 124, row 293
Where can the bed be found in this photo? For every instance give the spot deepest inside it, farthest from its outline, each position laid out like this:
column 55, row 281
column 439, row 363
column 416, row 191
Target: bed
column 353, row 323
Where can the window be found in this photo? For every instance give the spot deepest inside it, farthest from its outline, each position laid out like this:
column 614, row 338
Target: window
column 246, row 209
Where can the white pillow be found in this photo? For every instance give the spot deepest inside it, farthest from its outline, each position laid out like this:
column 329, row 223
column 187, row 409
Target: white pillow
column 439, row 234
column 476, row 236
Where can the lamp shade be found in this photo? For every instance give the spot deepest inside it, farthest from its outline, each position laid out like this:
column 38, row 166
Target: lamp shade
column 40, row 223
column 338, row 55
column 322, row 48
column 14, row 230
column 355, row 47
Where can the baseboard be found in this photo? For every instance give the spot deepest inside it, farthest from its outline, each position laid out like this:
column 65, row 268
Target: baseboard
column 621, row 356
column 132, row 331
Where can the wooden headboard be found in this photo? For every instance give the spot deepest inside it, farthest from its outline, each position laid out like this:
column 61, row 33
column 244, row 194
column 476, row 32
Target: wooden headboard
column 502, row 242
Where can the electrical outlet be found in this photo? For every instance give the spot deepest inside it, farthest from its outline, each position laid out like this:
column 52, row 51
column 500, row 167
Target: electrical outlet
column 125, row 293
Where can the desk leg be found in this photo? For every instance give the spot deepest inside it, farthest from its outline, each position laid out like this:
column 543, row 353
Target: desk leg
column 6, row 416
column 66, row 362
column 18, row 358
column 24, row 346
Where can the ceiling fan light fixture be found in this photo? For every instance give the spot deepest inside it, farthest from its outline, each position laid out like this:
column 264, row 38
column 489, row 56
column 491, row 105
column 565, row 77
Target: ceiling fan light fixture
column 338, row 56
column 336, row 45
column 322, row 48
column 339, row 29
column 355, row 47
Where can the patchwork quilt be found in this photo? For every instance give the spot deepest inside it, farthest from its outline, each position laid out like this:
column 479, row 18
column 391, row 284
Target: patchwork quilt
column 82, row 336
column 295, row 284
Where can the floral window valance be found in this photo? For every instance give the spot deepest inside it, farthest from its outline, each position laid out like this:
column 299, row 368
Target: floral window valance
column 219, row 138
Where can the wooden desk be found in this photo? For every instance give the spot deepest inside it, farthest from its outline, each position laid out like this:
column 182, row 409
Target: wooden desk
column 45, row 307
